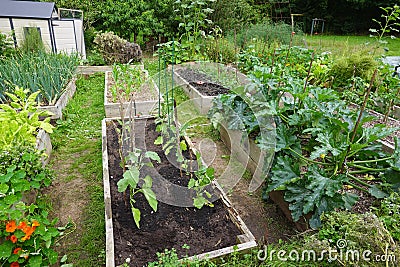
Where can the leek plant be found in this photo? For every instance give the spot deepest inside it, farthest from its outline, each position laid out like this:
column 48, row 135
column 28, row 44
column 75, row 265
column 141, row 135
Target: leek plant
column 40, row 72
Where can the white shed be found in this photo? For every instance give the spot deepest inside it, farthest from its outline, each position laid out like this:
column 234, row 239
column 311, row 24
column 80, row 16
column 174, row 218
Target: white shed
column 58, row 33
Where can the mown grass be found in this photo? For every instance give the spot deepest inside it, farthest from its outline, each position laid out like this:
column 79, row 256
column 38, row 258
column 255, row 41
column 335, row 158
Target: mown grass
column 344, row 45
column 77, row 148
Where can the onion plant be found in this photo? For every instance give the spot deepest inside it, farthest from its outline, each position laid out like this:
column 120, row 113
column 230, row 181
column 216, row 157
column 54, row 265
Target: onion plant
column 40, row 72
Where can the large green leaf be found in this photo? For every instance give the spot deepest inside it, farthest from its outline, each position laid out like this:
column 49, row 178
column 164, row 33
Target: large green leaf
column 131, row 178
column 3, row 189
column 5, row 249
column 284, row 172
column 393, row 177
column 377, row 192
column 285, row 139
column 136, row 216
column 153, row 155
column 149, row 193
column 329, row 144
column 376, row 133
column 317, row 194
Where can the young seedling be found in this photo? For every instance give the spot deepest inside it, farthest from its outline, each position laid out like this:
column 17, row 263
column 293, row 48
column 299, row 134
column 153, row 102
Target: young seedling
column 204, row 176
column 131, row 180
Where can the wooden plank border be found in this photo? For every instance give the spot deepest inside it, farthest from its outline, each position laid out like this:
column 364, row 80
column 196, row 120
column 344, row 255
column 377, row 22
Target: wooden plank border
column 62, row 102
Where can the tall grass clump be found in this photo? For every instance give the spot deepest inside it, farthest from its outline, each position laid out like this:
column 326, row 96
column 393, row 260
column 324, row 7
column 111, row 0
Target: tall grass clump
column 267, row 31
column 43, row 72
column 32, row 41
column 360, row 64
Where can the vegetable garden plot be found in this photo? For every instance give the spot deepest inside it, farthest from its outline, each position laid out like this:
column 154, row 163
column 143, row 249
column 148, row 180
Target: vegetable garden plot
column 131, row 89
column 212, row 231
column 203, row 81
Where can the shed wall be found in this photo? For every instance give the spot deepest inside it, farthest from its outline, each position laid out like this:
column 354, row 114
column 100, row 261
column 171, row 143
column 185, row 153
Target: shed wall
column 19, row 25
column 64, row 35
column 5, row 26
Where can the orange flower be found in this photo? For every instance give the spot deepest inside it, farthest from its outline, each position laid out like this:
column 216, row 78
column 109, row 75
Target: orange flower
column 13, row 239
column 11, row 226
column 28, row 232
column 35, row 224
column 22, row 225
column 14, row 264
column 17, row 250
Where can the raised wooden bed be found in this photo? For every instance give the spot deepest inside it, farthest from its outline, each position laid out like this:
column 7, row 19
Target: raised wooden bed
column 394, row 113
column 143, row 107
column 87, row 70
column 43, row 143
column 244, row 150
column 245, row 240
column 62, row 102
column 204, row 102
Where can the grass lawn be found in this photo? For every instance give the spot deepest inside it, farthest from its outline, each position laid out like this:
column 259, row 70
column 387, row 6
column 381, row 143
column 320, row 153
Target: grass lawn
column 342, row 45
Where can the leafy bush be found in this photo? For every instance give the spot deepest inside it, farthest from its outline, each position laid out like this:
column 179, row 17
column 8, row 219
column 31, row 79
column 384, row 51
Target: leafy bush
column 321, row 145
column 45, row 73
column 27, row 239
column 21, row 120
column 6, row 46
column 220, row 50
column 389, row 214
column 267, row 31
column 175, row 52
column 32, row 41
column 117, row 50
column 22, row 170
column 361, row 64
column 26, row 234
column 94, row 59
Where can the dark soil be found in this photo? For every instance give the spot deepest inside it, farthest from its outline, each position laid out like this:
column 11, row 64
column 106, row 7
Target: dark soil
column 170, row 227
column 202, row 82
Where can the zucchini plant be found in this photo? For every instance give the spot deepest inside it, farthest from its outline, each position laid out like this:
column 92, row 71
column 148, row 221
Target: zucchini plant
column 322, row 146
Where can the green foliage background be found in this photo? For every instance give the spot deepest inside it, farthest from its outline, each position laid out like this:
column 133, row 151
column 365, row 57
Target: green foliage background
column 140, row 20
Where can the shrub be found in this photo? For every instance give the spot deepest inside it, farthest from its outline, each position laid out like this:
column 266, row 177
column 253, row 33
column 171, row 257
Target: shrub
column 6, row 46
column 360, row 64
column 221, row 50
column 20, row 121
column 267, row 31
column 117, row 50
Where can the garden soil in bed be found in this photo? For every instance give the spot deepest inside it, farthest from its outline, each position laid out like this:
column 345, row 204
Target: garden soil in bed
column 202, row 82
column 170, row 227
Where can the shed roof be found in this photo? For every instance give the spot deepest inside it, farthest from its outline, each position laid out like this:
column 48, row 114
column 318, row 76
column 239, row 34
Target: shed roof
column 26, row 9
